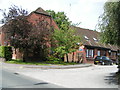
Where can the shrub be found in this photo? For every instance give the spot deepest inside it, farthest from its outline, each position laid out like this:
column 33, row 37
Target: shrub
column 52, row 58
column 6, row 52
column 2, row 53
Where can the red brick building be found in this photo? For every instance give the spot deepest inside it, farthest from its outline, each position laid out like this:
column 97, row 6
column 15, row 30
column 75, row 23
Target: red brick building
column 37, row 15
column 2, row 35
column 92, row 47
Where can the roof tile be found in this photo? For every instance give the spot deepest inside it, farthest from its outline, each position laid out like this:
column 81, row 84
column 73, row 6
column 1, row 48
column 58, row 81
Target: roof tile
column 90, row 41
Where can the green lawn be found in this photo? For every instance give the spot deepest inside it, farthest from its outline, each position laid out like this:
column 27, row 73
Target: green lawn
column 41, row 63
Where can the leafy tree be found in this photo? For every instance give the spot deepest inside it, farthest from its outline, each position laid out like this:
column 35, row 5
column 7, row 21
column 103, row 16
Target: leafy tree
column 66, row 42
column 17, row 28
column 109, row 23
column 61, row 19
column 39, row 39
column 64, row 39
column 13, row 13
column 27, row 37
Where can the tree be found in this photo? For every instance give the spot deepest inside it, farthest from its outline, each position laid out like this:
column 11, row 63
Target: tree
column 39, row 39
column 61, row 19
column 64, row 39
column 109, row 23
column 66, row 42
column 16, row 27
column 27, row 37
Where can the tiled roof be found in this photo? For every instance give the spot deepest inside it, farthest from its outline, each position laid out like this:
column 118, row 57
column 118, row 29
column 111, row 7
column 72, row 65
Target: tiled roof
column 41, row 11
column 92, row 38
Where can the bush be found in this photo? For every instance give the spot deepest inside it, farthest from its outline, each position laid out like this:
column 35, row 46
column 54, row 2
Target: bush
column 52, row 58
column 2, row 53
column 6, row 52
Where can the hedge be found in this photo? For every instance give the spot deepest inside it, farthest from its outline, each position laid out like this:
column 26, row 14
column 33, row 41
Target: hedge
column 6, row 52
column 2, row 53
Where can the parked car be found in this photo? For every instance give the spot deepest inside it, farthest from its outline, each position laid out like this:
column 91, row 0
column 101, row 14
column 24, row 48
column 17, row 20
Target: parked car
column 103, row 60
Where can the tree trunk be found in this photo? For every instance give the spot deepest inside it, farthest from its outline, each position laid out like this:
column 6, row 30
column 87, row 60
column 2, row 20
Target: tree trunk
column 25, row 55
column 67, row 57
column 73, row 57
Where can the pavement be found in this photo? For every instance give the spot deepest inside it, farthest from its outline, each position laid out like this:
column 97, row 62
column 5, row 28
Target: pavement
column 47, row 66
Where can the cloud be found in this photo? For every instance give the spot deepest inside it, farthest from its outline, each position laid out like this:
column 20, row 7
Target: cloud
column 85, row 11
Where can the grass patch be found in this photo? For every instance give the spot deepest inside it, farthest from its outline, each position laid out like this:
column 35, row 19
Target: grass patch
column 41, row 63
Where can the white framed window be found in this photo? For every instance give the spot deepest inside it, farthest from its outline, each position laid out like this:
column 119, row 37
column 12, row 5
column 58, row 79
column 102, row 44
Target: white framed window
column 89, row 53
column 98, row 52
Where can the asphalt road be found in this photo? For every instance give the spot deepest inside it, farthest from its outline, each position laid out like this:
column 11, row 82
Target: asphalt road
column 89, row 77
column 15, row 80
column 96, row 76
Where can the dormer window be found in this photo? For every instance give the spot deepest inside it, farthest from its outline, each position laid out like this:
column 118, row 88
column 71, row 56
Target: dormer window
column 86, row 37
column 96, row 40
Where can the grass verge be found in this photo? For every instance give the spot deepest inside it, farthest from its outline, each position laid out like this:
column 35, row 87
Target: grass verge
column 41, row 63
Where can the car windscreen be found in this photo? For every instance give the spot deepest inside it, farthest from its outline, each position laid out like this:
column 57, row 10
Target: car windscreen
column 98, row 58
column 105, row 58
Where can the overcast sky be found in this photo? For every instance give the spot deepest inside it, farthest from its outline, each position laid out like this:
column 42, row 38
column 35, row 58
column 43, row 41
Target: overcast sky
column 84, row 11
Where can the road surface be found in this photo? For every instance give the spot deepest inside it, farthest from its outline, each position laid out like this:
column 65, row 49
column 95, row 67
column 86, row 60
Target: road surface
column 96, row 76
column 14, row 80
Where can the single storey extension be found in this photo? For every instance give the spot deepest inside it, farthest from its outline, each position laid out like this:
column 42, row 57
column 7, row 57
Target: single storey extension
column 92, row 47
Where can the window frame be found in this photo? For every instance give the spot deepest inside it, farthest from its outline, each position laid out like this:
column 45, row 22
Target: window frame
column 90, row 53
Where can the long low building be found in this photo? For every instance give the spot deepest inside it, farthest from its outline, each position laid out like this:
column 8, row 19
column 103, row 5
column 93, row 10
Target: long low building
column 92, row 47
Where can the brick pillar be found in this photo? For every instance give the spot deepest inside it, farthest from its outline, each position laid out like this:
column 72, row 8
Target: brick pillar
column 75, row 56
column 107, row 53
column 95, row 52
column 84, row 56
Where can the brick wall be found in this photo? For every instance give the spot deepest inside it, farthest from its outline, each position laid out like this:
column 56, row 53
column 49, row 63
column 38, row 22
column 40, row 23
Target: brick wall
column 33, row 18
column 2, row 38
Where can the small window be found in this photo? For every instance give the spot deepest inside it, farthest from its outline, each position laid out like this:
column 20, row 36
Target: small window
column 86, row 37
column 98, row 53
column 96, row 40
column 89, row 53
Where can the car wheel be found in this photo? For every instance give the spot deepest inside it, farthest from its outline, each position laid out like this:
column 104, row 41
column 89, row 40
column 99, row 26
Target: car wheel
column 95, row 63
column 103, row 63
